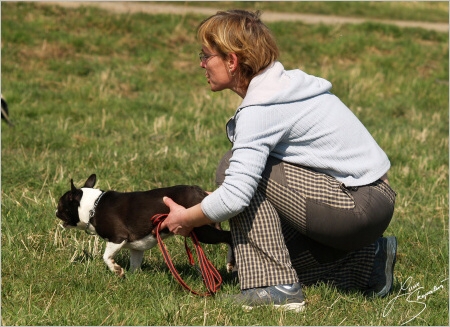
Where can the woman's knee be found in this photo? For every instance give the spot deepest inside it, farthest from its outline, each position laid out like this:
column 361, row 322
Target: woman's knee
column 222, row 167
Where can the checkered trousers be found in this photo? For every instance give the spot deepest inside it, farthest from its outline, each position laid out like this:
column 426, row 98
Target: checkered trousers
column 271, row 236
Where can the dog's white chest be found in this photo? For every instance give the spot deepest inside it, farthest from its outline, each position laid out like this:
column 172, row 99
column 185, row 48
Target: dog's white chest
column 90, row 195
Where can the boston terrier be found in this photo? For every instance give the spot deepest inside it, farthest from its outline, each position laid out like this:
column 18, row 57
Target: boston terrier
column 123, row 219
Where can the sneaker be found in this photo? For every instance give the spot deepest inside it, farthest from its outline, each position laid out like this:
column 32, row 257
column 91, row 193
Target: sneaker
column 284, row 297
column 381, row 280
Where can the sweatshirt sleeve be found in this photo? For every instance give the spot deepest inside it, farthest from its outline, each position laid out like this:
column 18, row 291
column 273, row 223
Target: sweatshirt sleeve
column 257, row 130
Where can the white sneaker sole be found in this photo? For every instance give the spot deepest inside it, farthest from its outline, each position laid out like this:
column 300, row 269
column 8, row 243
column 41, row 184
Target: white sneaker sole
column 292, row 307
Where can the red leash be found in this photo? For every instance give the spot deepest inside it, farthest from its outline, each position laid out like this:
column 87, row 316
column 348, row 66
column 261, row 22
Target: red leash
column 211, row 277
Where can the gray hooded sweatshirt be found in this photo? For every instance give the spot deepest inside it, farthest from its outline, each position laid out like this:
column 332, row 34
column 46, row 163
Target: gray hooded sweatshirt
column 293, row 116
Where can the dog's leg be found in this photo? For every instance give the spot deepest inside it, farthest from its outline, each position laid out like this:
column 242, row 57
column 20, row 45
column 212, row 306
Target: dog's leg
column 136, row 257
column 111, row 250
column 231, row 260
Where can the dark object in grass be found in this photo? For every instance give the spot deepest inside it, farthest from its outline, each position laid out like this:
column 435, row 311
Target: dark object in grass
column 5, row 112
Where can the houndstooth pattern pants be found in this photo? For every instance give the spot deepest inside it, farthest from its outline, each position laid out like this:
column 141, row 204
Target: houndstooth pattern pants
column 306, row 226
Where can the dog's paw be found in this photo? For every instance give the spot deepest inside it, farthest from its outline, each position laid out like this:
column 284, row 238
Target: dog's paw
column 118, row 270
column 230, row 267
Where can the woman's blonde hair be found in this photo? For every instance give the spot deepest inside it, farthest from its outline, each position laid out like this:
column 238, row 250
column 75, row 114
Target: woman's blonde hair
column 243, row 33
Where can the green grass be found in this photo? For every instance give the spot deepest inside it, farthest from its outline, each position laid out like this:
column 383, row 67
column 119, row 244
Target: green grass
column 123, row 96
column 427, row 11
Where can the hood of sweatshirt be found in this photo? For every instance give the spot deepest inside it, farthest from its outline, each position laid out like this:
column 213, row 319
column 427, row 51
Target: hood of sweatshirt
column 276, row 85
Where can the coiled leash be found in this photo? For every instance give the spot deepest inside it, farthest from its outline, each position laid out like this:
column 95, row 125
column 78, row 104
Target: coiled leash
column 211, row 277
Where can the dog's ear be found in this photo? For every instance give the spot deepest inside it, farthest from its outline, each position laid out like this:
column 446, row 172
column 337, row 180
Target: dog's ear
column 74, row 194
column 90, row 181
column 72, row 187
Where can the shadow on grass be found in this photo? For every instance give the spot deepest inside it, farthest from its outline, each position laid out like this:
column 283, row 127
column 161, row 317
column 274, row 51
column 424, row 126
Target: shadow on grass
column 367, row 295
column 189, row 272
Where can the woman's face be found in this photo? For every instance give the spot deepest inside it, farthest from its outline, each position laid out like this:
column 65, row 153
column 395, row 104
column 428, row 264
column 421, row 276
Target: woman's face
column 216, row 70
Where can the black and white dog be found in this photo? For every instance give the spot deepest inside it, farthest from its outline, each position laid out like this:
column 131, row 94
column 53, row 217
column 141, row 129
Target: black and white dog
column 123, row 219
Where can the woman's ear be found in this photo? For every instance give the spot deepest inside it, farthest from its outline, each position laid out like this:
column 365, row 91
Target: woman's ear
column 232, row 63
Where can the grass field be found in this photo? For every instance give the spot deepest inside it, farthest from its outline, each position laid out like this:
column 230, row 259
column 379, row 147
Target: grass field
column 400, row 10
column 123, row 96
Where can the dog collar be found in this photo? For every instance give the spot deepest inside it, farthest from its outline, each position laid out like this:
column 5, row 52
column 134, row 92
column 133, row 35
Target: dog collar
column 92, row 212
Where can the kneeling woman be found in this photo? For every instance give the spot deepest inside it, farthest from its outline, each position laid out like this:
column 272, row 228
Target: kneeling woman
column 304, row 186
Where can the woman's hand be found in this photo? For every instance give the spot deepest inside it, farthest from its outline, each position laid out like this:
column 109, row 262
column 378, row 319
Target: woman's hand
column 177, row 220
column 181, row 220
